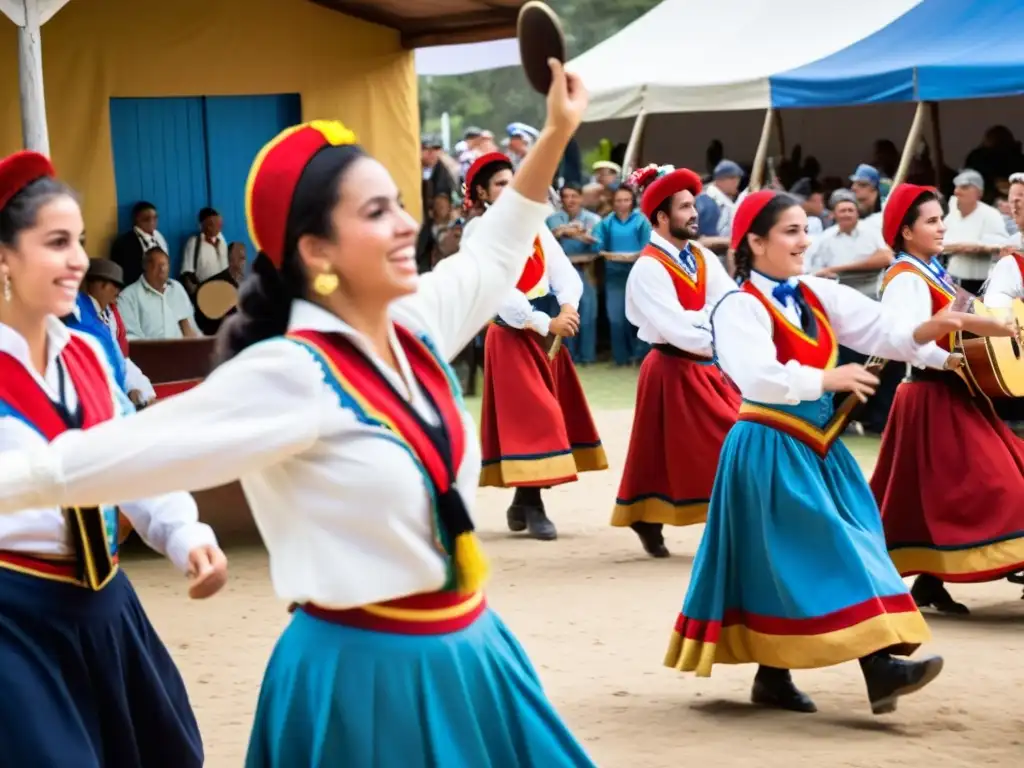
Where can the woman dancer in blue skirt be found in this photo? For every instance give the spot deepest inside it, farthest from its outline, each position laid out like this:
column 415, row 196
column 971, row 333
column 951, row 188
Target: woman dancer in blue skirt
column 339, row 413
column 793, row 571
column 84, row 679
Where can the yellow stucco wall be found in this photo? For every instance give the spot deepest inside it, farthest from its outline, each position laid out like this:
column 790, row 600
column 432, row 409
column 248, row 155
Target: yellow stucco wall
column 343, row 68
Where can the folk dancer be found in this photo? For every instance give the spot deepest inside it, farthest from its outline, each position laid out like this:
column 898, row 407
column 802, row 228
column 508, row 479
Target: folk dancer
column 684, row 405
column 535, row 426
column 792, row 572
column 86, row 681
column 948, row 526
column 338, row 411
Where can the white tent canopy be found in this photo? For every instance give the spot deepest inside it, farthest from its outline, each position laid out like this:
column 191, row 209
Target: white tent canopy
column 718, row 55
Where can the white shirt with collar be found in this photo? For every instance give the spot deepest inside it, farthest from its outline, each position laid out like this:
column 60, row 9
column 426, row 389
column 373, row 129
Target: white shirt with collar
column 982, row 226
column 560, row 277
column 835, row 248
column 746, row 352
column 168, row 523
column 211, row 259
column 653, row 307
column 151, row 314
column 148, row 241
column 1005, row 283
column 343, row 510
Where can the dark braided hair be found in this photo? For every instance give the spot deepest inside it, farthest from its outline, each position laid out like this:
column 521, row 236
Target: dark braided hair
column 911, row 216
column 760, row 226
column 266, row 296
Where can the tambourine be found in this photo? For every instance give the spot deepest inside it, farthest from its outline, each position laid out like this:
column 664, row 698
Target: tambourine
column 215, row 298
column 540, row 38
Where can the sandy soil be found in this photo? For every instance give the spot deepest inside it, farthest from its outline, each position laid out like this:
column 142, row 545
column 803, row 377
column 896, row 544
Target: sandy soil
column 595, row 615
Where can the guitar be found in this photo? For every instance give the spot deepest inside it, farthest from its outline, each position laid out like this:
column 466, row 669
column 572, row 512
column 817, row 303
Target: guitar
column 993, row 366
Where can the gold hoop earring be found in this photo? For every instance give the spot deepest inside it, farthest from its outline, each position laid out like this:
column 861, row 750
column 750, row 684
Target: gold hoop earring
column 325, row 283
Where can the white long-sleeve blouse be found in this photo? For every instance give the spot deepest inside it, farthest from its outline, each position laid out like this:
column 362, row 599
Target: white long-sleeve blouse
column 743, row 339
column 344, row 514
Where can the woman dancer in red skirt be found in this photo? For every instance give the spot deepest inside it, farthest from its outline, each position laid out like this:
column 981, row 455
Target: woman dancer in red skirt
column 950, row 476
column 536, row 427
column 684, row 404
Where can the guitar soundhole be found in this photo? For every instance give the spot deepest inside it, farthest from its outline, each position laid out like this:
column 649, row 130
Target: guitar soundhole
column 1015, row 346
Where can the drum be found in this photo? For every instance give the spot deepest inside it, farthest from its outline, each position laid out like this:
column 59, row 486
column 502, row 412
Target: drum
column 215, row 299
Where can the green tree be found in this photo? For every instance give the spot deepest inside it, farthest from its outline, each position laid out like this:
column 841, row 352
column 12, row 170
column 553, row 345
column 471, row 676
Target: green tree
column 494, row 99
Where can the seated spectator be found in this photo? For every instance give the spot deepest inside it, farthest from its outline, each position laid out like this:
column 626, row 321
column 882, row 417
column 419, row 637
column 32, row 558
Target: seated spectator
column 154, row 306
column 129, row 247
column 205, row 253
column 96, row 313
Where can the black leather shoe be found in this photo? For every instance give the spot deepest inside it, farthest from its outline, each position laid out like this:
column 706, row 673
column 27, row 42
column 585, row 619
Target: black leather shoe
column 516, row 518
column 651, row 538
column 774, row 688
column 539, row 526
column 888, row 679
column 930, row 591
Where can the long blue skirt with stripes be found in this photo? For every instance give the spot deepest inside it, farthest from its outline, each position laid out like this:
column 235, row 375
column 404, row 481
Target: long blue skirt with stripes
column 86, row 683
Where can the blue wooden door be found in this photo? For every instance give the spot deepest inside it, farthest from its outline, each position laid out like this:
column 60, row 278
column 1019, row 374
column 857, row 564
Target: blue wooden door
column 237, row 127
column 160, row 156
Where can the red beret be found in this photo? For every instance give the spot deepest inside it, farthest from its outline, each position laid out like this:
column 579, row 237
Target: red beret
column 662, row 188
column 21, row 169
column 747, row 211
column 491, row 158
column 896, row 207
column 274, row 175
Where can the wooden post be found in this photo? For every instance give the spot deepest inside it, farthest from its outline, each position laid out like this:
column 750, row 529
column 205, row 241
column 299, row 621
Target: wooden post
column 629, row 162
column 30, row 81
column 29, row 16
column 912, row 138
column 761, row 156
column 935, row 143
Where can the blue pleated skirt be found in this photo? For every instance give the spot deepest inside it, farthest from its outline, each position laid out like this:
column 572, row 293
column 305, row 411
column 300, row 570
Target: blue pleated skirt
column 86, row 683
column 340, row 696
column 793, row 570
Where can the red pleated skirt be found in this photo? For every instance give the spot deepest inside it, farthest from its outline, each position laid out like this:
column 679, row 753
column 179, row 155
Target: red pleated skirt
column 683, row 411
column 536, row 429
column 950, row 485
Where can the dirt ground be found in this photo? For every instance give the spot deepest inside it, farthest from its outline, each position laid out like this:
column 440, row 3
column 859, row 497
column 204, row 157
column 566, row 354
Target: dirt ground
column 595, row 615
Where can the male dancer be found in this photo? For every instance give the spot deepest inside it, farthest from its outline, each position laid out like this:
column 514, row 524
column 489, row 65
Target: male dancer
column 536, row 428
column 684, row 404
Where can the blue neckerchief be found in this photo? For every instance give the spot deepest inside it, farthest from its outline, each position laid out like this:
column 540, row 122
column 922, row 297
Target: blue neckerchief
column 688, row 262
column 786, row 292
column 935, row 269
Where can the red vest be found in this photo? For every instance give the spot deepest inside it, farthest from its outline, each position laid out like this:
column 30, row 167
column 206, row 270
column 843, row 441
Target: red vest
column 942, row 296
column 691, row 292
column 791, row 342
column 1020, row 264
column 534, row 270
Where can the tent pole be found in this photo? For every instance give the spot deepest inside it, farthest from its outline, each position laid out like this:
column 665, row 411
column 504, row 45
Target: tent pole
column 780, row 133
column 629, row 162
column 935, row 143
column 912, row 139
column 761, row 156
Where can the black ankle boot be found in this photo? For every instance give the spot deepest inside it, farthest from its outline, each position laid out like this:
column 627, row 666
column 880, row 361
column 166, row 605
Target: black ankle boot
column 888, row 678
column 523, row 499
column 539, row 526
column 929, row 590
column 774, row 688
column 651, row 538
